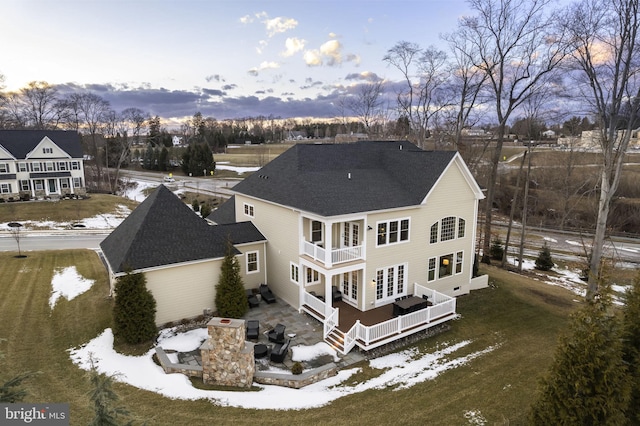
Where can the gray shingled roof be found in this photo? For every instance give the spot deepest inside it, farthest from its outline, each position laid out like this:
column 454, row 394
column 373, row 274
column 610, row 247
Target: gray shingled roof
column 334, row 179
column 225, row 213
column 162, row 230
column 20, row 142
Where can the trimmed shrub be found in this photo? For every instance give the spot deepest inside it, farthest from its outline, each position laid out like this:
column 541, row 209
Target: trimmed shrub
column 134, row 311
column 296, row 368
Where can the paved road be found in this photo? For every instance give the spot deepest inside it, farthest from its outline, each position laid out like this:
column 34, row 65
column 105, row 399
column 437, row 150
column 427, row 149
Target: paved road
column 209, row 185
column 36, row 241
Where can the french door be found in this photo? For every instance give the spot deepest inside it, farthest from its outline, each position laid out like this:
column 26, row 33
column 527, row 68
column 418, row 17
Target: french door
column 350, row 286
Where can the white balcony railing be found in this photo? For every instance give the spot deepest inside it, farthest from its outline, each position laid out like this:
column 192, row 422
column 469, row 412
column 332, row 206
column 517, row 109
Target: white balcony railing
column 341, row 255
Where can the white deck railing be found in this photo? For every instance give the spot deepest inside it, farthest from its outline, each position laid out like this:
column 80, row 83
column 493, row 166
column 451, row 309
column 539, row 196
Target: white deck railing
column 370, row 337
column 443, row 308
column 341, row 255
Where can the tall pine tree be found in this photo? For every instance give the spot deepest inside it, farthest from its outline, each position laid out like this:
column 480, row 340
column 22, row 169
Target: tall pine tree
column 134, row 311
column 588, row 382
column 631, row 345
column 231, row 299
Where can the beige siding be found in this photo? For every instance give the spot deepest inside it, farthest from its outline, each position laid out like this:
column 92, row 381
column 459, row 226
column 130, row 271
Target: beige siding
column 183, row 291
column 186, row 290
column 451, row 197
column 253, row 279
column 280, row 226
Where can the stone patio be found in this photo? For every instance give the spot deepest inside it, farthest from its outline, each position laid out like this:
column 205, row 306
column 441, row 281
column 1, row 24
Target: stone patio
column 301, row 328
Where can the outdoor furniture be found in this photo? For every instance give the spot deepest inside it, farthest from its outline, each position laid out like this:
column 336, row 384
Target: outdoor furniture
column 253, row 329
column 279, row 352
column 336, row 295
column 252, row 299
column 260, row 350
column 313, row 293
column 277, row 334
column 266, row 294
column 408, row 305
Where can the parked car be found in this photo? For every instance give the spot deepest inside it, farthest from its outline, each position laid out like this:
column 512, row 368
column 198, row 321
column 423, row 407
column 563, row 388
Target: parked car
column 169, row 179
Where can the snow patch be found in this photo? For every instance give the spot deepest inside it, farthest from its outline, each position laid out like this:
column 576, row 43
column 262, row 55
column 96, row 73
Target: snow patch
column 67, row 283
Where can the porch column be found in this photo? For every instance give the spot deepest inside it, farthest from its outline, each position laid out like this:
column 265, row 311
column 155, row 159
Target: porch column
column 328, row 244
column 328, row 299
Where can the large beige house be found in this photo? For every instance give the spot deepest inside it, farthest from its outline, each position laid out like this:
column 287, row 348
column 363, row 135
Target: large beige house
column 376, row 220
column 331, row 228
column 40, row 163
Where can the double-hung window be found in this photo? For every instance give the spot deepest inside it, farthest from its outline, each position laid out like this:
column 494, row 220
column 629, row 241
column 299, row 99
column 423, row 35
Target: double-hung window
column 248, row 210
column 4, row 168
column 252, row 262
column 393, row 231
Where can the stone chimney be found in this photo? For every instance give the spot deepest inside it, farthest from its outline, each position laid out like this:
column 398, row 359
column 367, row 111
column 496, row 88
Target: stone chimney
column 227, row 359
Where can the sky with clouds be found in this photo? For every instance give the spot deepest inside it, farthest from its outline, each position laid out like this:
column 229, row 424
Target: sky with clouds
column 224, row 58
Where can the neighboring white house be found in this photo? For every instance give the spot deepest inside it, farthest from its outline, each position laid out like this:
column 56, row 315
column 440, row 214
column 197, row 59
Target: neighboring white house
column 40, row 163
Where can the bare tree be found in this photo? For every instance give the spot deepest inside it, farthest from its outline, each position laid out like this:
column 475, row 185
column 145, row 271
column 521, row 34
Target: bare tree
column 41, row 105
column 606, row 58
column 92, row 113
column 512, row 43
column 366, row 103
column 466, row 81
column 424, row 72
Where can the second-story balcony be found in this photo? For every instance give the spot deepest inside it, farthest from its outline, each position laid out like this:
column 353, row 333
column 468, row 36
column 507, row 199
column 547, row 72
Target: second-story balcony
column 333, row 243
column 334, row 256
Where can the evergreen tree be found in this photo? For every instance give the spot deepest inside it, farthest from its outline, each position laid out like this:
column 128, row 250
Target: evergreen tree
column 231, row 299
column 134, row 310
column 588, row 382
column 497, row 249
column 10, row 391
column 631, row 347
column 544, row 262
column 163, row 159
column 205, row 210
column 195, row 205
column 103, row 397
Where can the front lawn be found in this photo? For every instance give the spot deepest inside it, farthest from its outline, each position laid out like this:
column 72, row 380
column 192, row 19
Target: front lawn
column 519, row 317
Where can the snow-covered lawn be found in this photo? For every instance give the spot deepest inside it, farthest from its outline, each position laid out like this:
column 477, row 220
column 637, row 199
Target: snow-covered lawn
column 67, row 283
column 402, row 370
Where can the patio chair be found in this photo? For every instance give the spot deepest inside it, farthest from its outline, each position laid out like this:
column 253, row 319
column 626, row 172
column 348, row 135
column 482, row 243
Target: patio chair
column 313, row 293
column 266, row 294
column 253, row 329
column 252, row 299
column 336, row 295
column 279, row 352
column 277, row 334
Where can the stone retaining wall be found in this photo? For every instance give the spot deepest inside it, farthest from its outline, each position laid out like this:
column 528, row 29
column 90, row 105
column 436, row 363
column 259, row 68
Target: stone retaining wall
column 170, row 367
column 296, row 381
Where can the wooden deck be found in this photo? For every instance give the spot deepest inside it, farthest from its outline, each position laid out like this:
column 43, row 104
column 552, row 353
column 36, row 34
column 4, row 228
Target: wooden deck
column 349, row 315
